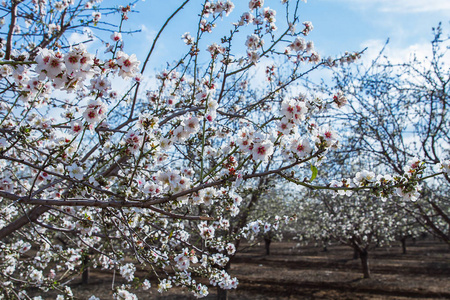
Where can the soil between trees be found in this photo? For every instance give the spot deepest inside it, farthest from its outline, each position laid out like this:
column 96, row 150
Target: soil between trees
column 308, row 272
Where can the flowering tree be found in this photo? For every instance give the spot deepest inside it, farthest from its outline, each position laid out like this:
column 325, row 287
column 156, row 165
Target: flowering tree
column 360, row 221
column 91, row 175
column 398, row 113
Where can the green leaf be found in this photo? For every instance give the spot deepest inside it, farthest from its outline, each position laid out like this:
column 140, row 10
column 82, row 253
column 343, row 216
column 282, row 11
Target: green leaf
column 314, row 173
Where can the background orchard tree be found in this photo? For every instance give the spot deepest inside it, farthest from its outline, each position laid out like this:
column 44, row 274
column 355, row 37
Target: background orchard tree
column 91, row 176
column 360, row 221
column 277, row 201
column 398, row 112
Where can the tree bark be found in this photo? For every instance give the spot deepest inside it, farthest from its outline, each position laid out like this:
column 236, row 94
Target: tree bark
column 355, row 254
column 267, row 242
column 403, row 240
column 85, row 274
column 364, row 256
column 222, row 294
column 31, row 216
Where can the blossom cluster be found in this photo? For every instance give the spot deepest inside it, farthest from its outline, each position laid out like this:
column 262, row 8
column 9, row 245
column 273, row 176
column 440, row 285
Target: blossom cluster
column 159, row 176
column 405, row 186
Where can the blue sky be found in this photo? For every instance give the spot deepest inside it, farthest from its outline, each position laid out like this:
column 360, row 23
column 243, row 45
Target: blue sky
column 339, row 25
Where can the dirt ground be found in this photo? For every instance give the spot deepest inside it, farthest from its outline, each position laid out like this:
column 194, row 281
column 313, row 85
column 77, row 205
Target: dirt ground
column 293, row 272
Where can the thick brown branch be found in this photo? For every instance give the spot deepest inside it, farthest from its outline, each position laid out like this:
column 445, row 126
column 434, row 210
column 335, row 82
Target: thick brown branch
column 12, row 24
column 32, row 216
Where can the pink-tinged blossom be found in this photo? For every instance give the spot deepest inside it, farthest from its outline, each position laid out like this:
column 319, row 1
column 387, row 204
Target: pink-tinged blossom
column 245, row 139
column 269, row 15
column 206, row 231
column 91, row 115
column 215, row 49
column 231, row 249
column 201, row 291
column 294, row 110
column 192, row 125
column 75, row 171
column 128, row 65
column 133, row 141
column 308, row 27
column 211, row 116
column 95, row 111
column 6, row 184
column 246, row 18
column 301, row 147
column 298, row 45
column 164, row 285
column 79, row 63
column 255, row 4
column 327, row 136
column 253, row 56
column 309, row 46
column 127, row 271
column 314, row 57
column 122, row 294
column 412, row 166
column 253, row 42
column 96, row 16
column 210, row 151
column 101, row 84
column 146, row 285
column 137, row 77
column 53, row 28
column 147, row 122
column 254, row 226
column 228, row 7
column 182, row 262
column 180, row 134
column 116, row 36
column 187, row 38
column 50, row 63
column 408, row 195
column 285, row 125
column 36, row 276
column 340, row 99
column 287, row 108
column 220, row 7
column 243, row 85
column 6, row 71
column 201, row 95
column 152, row 188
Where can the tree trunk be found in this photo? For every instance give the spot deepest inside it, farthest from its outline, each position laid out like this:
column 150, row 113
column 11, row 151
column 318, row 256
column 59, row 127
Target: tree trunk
column 85, row 274
column 365, row 263
column 222, row 294
column 267, row 242
column 355, row 254
column 403, row 240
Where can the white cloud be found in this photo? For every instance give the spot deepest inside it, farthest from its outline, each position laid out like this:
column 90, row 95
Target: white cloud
column 395, row 54
column 413, row 6
column 150, row 34
column 401, row 6
column 76, row 38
